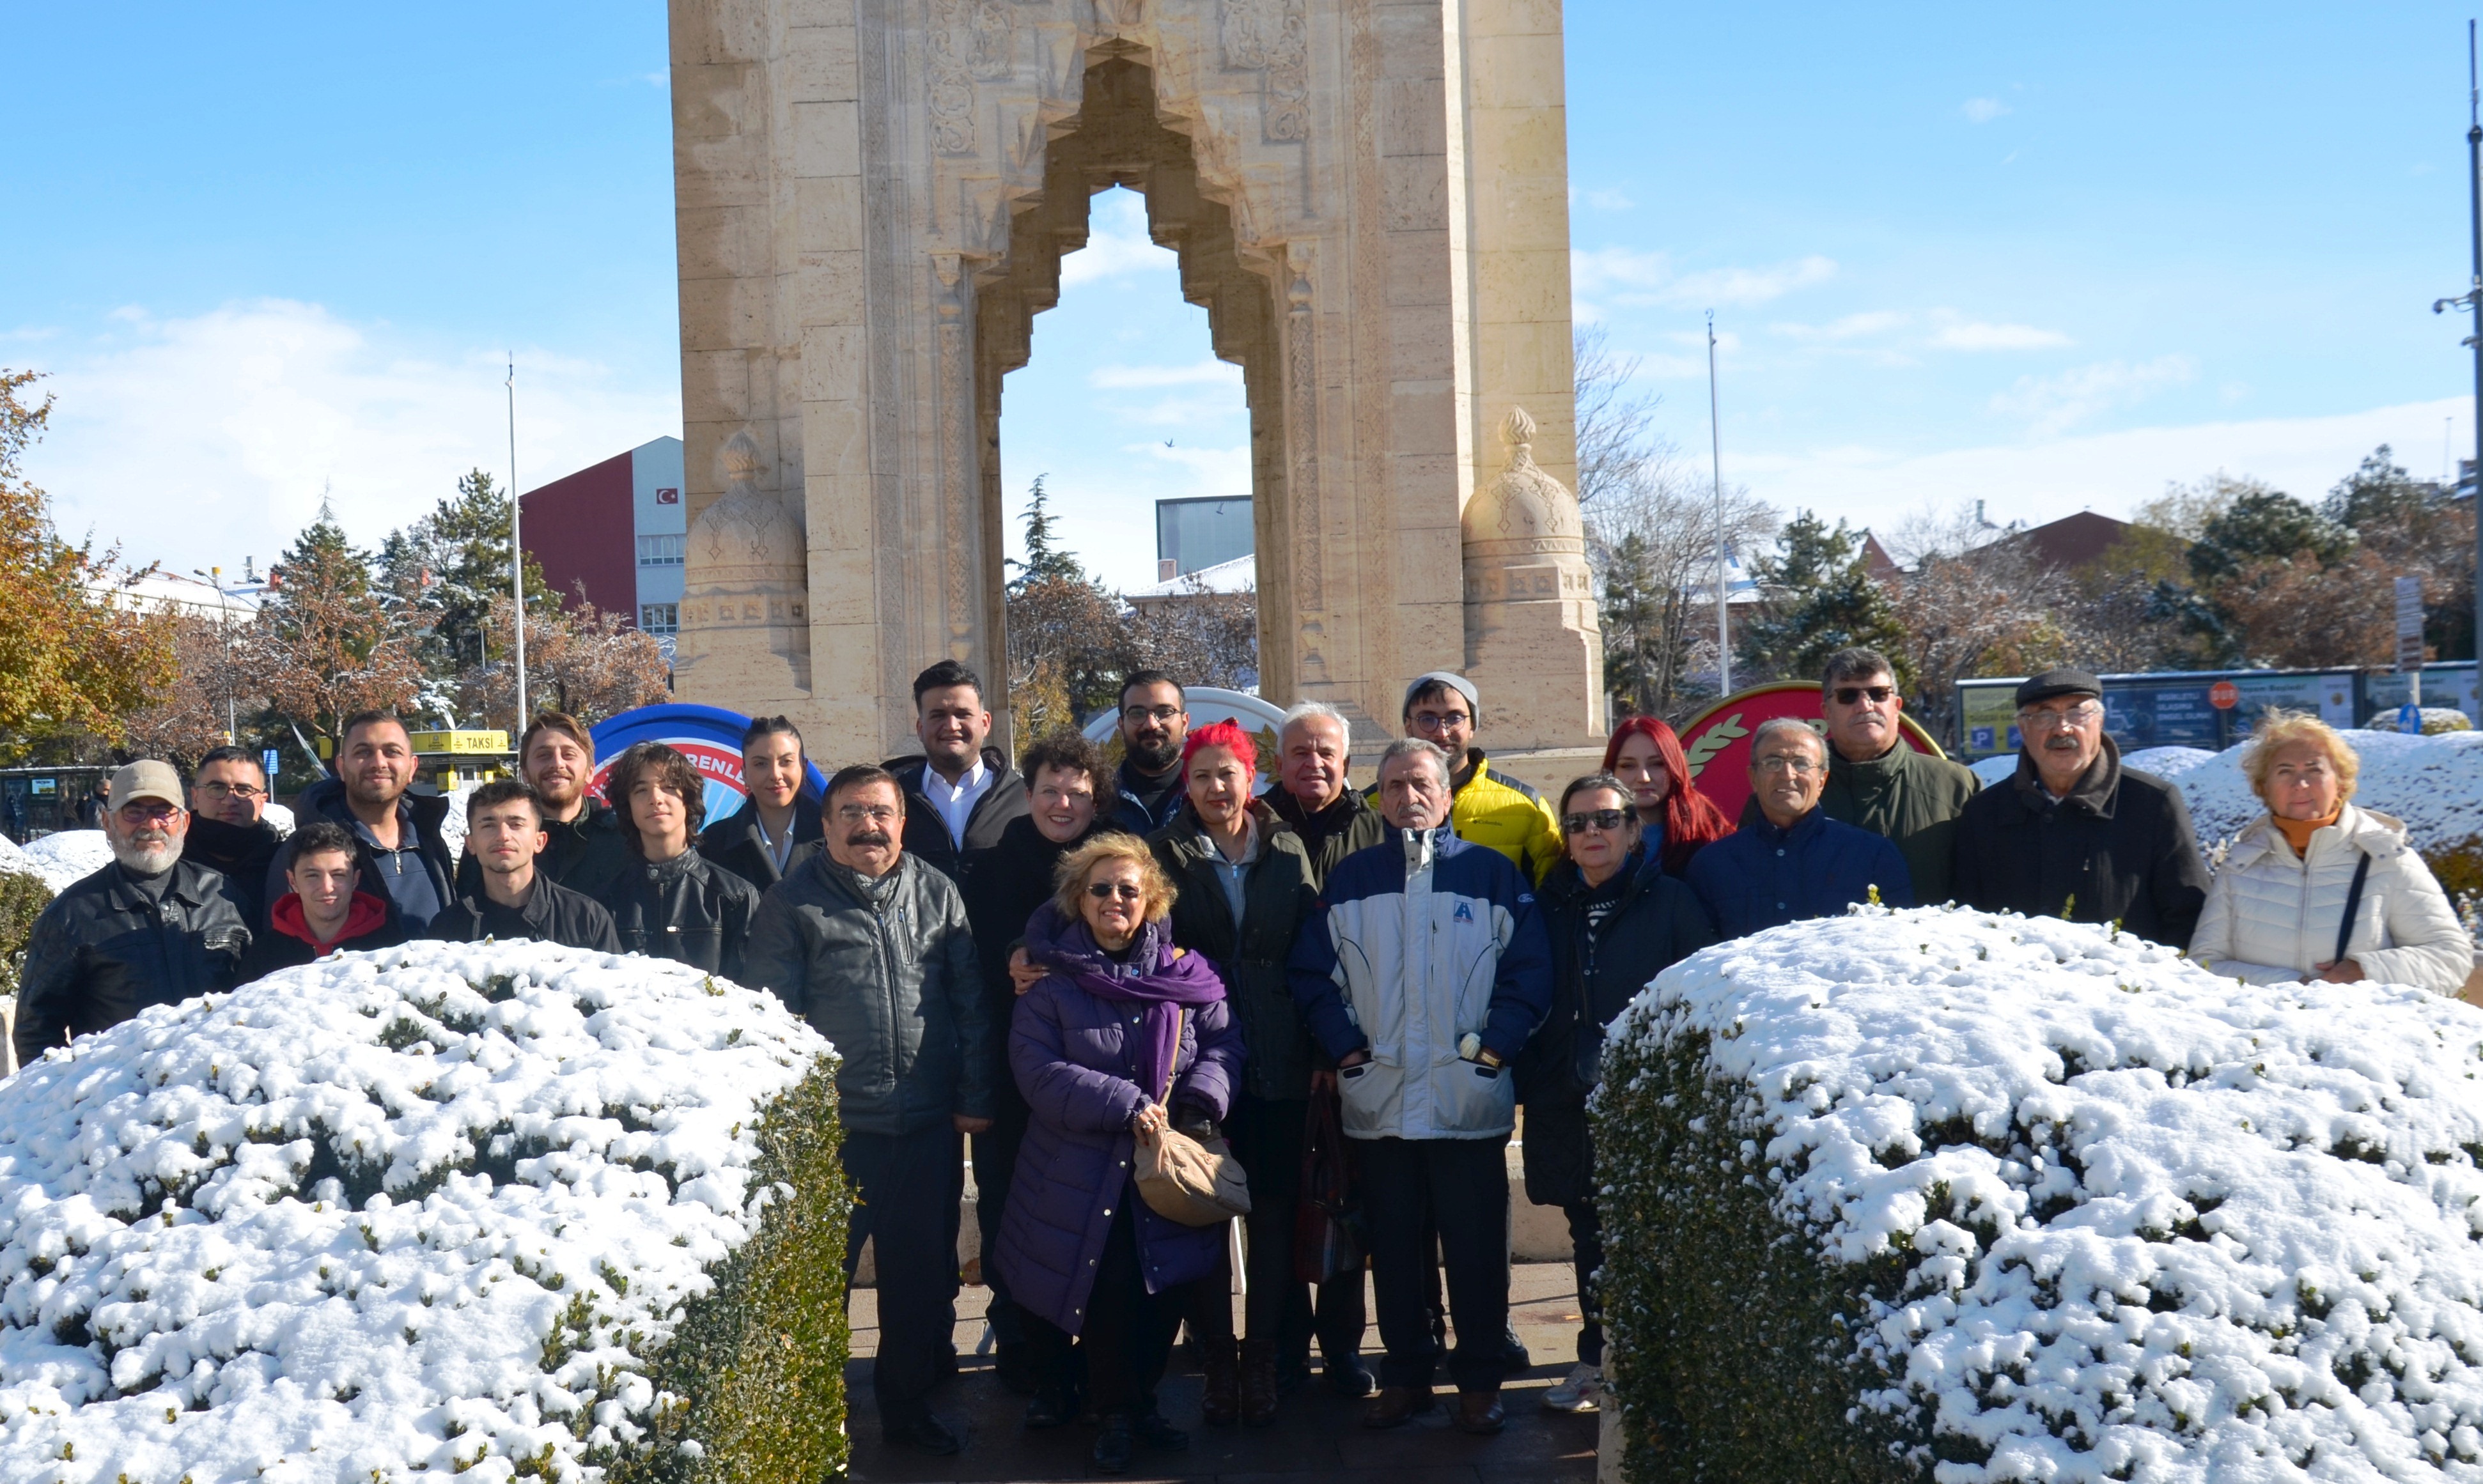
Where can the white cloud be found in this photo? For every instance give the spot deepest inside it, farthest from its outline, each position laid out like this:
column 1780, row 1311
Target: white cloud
column 2112, row 472
column 1210, row 373
column 2054, row 403
column 1974, row 336
column 1630, row 276
column 1984, row 110
column 1851, row 327
column 207, row 438
column 1117, row 243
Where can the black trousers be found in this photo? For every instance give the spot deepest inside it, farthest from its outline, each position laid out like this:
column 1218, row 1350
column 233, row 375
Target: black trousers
column 1267, row 1136
column 1586, row 1253
column 1128, row 1333
column 906, row 1191
column 1458, row 1187
column 994, row 1167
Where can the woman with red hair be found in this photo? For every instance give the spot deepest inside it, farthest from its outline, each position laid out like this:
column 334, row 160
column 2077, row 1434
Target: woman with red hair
column 1678, row 819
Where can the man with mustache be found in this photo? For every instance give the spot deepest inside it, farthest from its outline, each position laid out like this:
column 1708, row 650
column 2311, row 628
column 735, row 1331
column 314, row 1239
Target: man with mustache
column 872, row 946
column 148, row 929
column 960, row 794
column 2074, row 833
column 1155, row 722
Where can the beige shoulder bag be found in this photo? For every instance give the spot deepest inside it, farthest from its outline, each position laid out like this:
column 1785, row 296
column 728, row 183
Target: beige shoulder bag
column 1196, row 1182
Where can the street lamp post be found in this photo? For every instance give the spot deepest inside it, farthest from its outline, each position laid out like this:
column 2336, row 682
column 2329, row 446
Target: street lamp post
column 2473, row 300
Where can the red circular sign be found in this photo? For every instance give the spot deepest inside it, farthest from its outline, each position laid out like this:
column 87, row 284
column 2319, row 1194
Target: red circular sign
column 2224, row 694
column 1718, row 739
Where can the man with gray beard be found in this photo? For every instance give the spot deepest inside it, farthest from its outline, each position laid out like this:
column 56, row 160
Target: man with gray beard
column 149, row 929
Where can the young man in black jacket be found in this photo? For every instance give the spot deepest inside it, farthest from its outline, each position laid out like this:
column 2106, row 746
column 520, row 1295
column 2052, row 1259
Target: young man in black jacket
column 504, row 834
column 227, row 792
column 959, row 794
column 400, row 855
column 675, row 904
column 584, row 846
column 779, row 823
column 1615, row 921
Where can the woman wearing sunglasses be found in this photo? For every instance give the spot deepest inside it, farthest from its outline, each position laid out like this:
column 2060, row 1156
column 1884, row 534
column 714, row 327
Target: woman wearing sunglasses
column 1125, row 1033
column 1676, row 818
column 1617, row 920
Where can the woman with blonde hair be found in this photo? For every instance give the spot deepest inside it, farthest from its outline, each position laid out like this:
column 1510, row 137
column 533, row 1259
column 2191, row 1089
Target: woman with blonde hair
column 2316, row 889
column 1125, row 1035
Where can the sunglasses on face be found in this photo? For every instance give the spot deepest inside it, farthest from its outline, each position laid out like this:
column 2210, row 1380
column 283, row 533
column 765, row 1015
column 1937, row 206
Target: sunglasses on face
column 1606, row 820
column 1106, row 891
column 1849, row 695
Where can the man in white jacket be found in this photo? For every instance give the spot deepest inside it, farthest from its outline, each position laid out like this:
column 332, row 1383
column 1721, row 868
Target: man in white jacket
column 2276, row 913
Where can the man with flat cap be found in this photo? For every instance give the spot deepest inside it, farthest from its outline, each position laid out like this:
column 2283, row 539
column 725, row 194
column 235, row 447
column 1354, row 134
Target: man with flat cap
column 148, row 928
column 2075, row 834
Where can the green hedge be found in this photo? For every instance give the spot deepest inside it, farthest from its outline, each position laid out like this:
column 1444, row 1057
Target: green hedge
column 22, row 900
column 1737, row 1334
column 759, row 1362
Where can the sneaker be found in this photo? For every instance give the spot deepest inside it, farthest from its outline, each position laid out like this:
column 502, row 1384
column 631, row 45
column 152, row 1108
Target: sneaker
column 1582, row 1390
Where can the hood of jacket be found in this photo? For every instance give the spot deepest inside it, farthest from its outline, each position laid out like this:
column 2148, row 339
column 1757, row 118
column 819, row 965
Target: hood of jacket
column 365, row 914
column 326, row 798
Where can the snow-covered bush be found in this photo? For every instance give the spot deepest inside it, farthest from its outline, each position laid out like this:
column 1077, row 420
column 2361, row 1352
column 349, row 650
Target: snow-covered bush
column 70, row 856
column 2435, row 721
column 1942, row 1195
column 494, row 1211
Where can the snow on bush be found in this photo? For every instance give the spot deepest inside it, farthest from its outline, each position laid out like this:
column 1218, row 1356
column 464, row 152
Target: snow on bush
column 279, row 817
column 15, row 862
column 1953, row 1196
column 68, row 856
column 2435, row 784
column 2434, row 720
column 2167, row 762
column 490, row 1209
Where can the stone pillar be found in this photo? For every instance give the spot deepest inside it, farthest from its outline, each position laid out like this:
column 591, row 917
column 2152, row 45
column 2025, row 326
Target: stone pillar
column 745, row 596
column 1535, row 647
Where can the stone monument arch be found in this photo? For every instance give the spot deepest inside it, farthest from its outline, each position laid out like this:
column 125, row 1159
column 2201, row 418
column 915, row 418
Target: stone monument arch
column 1368, row 197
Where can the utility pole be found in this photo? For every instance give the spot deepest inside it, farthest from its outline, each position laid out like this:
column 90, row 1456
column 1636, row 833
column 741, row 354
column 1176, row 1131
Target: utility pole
column 1716, row 461
column 517, row 546
column 2472, row 298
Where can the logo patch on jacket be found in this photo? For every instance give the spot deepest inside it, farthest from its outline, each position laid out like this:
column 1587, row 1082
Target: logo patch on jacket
column 1464, row 912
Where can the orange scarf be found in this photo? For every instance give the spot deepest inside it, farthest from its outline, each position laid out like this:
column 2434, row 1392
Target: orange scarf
column 2298, row 831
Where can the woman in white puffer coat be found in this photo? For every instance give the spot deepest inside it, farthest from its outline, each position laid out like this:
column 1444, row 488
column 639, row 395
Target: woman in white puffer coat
column 2275, row 912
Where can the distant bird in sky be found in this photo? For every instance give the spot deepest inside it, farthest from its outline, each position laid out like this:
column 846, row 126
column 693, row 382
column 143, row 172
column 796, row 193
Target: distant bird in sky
column 1167, row 443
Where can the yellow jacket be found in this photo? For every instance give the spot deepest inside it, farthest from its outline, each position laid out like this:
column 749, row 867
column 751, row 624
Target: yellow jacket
column 1498, row 810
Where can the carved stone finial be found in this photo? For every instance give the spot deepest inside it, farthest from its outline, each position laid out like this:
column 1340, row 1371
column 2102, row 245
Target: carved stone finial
column 742, row 459
column 1517, row 430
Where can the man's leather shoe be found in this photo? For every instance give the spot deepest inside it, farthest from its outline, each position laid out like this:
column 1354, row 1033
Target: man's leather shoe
column 924, row 1434
column 1348, row 1377
column 1258, row 1382
column 1479, row 1413
column 1397, row 1405
column 1157, row 1433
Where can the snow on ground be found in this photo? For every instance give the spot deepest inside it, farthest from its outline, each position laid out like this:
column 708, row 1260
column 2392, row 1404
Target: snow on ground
column 70, row 856
column 452, row 826
column 278, row 815
column 1994, row 771
column 2206, row 1231
column 15, row 862
column 350, row 1222
column 2434, row 784
column 2167, row 762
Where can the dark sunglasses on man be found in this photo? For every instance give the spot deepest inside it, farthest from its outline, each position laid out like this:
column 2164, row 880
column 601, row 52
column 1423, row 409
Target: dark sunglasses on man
column 1606, row 820
column 1849, row 695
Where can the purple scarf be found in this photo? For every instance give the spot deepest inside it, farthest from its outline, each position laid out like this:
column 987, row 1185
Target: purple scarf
column 1152, row 977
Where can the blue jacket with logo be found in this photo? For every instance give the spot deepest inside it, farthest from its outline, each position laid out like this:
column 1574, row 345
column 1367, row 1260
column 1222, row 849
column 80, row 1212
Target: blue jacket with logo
column 1763, row 877
column 1417, row 943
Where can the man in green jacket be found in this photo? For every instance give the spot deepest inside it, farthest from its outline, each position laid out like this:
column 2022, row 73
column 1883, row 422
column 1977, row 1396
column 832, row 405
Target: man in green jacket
column 1877, row 780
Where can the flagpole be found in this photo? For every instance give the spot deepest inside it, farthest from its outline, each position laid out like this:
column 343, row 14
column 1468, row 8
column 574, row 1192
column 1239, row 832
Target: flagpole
column 517, row 546
column 1715, row 456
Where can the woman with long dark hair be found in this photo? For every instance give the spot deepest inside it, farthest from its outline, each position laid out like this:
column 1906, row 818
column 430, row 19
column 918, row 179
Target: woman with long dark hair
column 1678, row 821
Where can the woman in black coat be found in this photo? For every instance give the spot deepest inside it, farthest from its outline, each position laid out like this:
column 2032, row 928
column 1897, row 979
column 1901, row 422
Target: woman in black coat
column 1616, row 921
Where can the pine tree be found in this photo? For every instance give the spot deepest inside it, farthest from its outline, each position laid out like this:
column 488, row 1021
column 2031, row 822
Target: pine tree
column 448, row 567
column 1818, row 596
column 1635, row 654
column 324, row 646
column 1069, row 637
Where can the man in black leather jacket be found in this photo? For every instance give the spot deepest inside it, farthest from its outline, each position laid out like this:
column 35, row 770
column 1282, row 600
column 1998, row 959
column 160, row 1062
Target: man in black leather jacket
column 504, row 835
column 149, row 929
column 674, row 903
column 872, row 946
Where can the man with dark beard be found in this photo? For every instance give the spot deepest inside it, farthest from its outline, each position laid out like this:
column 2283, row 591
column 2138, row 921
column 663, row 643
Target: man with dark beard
column 149, row 929
column 226, row 833
column 585, row 847
column 872, row 946
column 1154, row 722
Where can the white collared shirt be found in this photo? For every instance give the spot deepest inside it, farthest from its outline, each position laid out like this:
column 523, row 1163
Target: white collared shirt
column 955, row 802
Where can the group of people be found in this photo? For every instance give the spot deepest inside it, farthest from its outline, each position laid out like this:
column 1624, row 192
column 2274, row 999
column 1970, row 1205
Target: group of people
column 1058, row 962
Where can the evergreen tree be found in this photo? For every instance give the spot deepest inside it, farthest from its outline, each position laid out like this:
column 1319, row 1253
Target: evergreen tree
column 324, row 646
column 1069, row 637
column 1818, row 596
column 2265, row 524
column 1635, row 654
column 448, row 567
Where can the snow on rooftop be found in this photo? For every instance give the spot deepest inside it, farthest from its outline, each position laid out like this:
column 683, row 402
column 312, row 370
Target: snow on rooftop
column 1237, row 575
column 381, row 1214
column 2204, row 1231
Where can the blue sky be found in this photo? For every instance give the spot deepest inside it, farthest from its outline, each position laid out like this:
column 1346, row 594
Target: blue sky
column 2042, row 257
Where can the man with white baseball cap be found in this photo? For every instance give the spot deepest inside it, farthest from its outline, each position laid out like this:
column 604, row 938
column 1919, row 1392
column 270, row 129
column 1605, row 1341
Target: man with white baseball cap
column 149, row 928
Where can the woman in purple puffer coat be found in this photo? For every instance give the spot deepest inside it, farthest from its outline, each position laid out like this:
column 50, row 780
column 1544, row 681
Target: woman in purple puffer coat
column 1125, row 1034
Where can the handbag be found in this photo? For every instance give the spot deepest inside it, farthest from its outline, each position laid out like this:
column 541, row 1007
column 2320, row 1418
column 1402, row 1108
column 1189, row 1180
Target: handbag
column 1194, row 1181
column 1329, row 1238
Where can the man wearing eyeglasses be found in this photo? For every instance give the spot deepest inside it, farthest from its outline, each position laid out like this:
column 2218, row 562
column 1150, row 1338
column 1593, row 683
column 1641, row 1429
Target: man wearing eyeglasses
column 1492, row 809
column 226, row 795
column 1878, row 782
column 2074, row 833
column 872, row 946
column 1793, row 861
column 148, row 928
column 1155, row 722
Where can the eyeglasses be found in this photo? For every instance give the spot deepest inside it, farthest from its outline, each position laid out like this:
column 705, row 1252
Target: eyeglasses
column 1606, row 820
column 149, row 811
column 232, row 790
column 1151, row 713
column 1106, row 891
column 1433, row 721
column 1780, row 763
column 858, row 813
column 2083, row 714
column 1847, row 695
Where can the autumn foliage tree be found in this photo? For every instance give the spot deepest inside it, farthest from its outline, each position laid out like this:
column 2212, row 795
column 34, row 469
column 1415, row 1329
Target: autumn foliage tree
column 72, row 659
column 585, row 661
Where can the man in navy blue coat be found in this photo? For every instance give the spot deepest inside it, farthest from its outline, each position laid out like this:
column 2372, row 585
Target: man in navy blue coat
column 1793, row 861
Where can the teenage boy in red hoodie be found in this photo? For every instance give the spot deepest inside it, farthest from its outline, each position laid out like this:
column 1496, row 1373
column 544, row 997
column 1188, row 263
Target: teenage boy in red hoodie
column 322, row 912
